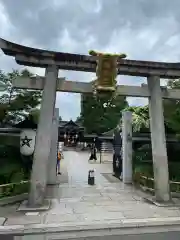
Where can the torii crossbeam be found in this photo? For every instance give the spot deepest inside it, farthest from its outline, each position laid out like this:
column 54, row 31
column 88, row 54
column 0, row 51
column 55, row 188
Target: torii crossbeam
column 63, row 85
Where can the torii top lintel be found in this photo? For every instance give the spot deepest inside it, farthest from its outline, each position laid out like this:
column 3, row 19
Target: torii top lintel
column 42, row 58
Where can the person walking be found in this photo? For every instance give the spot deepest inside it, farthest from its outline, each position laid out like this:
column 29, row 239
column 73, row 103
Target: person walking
column 59, row 156
column 93, row 153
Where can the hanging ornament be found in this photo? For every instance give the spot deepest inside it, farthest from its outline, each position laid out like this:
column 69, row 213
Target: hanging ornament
column 106, row 72
column 27, row 142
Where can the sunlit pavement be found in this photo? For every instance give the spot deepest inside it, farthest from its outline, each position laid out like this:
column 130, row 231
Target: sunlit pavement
column 105, row 201
column 76, row 203
column 77, row 165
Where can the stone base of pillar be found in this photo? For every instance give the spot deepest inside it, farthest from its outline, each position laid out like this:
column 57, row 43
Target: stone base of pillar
column 26, row 208
column 57, row 182
column 173, row 202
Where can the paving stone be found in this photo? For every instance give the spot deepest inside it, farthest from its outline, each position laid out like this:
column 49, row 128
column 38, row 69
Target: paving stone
column 58, row 218
column 31, row 237
column 56, row 202
column 138, row 215
column 137, row 198
column 117, row 200
column 81, row 195
column 114, row 194
column 99, row 216
column 98, row 195
column 174, row 202
column 24, row 220
column 78, row 203
column 151, row 222
column 8, row 210
column 114, row 191
column 148, row 213
column 2, row 220
column 107, row 203
column 119, row 197
column 138, row 206
column 86, row 190
column 32, row 214
column 167, row 213
column 61, row 210
column 115, row 208
column 102, row 209
column 93, row 199
column 88, row 209
column 24, row 206
column 68, row 200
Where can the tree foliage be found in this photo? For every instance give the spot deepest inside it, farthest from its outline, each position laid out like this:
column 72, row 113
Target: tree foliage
column 172, row 108
column 16, row 103
column 101, row 114
column 171, row 113
column 140, row 118
column 34, row 115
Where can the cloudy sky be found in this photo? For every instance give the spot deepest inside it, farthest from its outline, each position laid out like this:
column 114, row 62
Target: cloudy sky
column 143, row 29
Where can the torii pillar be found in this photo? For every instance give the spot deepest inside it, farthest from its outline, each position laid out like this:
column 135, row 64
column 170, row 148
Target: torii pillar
column 127, row 170
column 52, row 173
column 43, row 139
column 158, row 140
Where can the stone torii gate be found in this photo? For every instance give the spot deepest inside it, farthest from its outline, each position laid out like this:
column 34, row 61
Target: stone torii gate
column 52, row 62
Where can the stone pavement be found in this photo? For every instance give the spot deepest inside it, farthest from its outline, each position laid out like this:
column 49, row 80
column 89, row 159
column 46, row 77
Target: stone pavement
column 75, row 203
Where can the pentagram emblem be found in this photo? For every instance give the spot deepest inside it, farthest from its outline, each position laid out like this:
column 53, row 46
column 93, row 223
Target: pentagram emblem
column 26, row 141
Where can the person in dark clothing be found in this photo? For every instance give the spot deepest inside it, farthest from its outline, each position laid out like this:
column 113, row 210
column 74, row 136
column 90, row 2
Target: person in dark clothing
column 117, row 156
column 93, row 153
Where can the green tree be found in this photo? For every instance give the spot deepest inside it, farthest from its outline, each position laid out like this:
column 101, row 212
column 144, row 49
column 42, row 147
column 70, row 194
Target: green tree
column 16, row 103
column 172, row 108
column 34, row 115
column 101, row 114
column 140, row 118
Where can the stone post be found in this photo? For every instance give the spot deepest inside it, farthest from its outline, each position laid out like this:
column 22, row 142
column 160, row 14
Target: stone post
column 158, row 140
column 43, row 139
column 52, row 176
column 127, row 147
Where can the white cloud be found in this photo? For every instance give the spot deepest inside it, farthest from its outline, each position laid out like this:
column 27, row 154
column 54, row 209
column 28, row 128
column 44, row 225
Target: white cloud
column 144, row 30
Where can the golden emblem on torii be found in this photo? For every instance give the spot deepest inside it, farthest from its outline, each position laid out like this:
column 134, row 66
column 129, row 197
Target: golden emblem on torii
column 106, row 71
